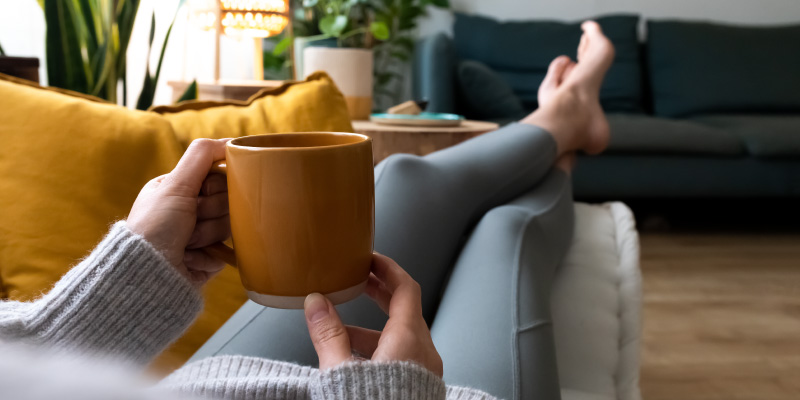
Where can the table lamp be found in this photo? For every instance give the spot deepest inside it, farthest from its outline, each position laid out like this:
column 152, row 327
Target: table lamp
column 256, row 19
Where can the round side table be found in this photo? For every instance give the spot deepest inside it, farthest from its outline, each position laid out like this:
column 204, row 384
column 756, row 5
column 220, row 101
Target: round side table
column 419, row 140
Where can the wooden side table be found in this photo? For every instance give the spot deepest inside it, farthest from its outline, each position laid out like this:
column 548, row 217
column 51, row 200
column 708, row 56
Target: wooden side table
column 223, row 90
column 419, row 140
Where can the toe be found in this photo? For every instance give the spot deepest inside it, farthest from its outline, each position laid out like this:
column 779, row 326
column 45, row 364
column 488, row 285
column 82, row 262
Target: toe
column 555, row 72
column 592, row 28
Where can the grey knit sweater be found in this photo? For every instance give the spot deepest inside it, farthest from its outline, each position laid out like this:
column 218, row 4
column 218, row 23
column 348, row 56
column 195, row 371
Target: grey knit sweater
column 123, row 304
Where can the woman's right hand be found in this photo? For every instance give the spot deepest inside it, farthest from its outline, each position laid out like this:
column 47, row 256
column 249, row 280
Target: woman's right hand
column 405, row 337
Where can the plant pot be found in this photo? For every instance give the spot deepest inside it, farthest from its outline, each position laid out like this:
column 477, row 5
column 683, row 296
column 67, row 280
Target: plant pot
column 300, row 44
column 350, row 69
column 21, row 67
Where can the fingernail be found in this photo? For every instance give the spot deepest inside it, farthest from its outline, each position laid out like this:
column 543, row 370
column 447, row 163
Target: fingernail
column 316, row 307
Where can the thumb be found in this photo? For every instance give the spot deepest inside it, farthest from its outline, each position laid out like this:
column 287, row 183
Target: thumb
column 327, row 331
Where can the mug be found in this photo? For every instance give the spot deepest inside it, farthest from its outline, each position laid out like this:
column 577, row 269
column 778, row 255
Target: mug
column 302, row 211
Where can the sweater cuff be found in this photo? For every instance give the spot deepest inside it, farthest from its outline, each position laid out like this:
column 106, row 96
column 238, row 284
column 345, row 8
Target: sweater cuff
column 370, row 380
column 124, row 300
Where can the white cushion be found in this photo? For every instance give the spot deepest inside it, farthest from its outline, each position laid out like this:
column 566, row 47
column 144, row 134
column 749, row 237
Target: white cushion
column 596, row 307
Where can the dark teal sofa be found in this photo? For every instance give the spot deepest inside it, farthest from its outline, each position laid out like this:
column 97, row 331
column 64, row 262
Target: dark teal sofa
column 696, row 110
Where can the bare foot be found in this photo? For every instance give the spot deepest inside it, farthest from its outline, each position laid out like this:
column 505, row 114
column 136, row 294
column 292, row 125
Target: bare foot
column 595, row 56
column 569, row 105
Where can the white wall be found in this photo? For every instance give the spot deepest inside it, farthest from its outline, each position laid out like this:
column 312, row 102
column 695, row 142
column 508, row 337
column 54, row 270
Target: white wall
column 189, row 53
column 733, row 11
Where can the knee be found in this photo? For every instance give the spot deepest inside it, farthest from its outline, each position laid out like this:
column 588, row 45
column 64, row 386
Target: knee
column 402, row 166
column 506, row 218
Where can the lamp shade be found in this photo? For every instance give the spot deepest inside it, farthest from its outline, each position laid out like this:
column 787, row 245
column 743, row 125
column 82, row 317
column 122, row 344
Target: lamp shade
column 253, row 18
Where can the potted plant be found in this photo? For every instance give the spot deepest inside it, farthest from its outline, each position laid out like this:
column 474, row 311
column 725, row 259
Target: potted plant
column 364, row 41
column 86, row 49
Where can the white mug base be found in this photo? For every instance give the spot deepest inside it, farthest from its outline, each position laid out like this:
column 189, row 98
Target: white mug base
column 296, row 302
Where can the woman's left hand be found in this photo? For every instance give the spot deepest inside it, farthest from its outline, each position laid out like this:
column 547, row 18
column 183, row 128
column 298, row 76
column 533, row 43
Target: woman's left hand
column 185, row 210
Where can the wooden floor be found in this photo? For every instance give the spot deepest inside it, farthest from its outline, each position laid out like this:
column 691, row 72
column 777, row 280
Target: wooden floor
column 721, row 316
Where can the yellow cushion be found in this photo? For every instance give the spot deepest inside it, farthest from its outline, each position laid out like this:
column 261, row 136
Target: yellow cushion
column 71, row 164
column 68, row 168
column 313, row 105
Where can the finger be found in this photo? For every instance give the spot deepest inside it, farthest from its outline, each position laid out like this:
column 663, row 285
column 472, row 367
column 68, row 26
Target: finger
column 213, row 184
column 377, row 291
column 210, row 231
column 201, row 266
column 327, row 331
column 213, row 206
column 192, row 169
column 406, row 301
column 363, row 341
column 388, row 272
column 199, row 260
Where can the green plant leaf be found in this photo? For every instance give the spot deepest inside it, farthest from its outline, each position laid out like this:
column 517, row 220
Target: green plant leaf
column 81, row 32
column 190, row 93
column 152, row 29
column 150, row 82
column 164, row 50
column 145, row 99
column 400, row 55
column 405, row 42
column 282, row 46
column 62, row 51
column 436, row 3
column 383, row 78
column 333, row 25
column 273, row 62
column 126, row 15
column 379, row 30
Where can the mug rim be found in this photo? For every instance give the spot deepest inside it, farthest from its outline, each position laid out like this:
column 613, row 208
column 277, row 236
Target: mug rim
column 233, row 142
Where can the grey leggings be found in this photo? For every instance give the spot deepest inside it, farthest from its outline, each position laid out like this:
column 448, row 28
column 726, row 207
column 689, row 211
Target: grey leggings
column 482, row 226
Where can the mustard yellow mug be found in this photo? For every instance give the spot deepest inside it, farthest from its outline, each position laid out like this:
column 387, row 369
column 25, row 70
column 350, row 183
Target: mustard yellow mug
column 302, row 210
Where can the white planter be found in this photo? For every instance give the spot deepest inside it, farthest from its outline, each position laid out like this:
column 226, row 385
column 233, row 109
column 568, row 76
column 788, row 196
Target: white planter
column 350, row 69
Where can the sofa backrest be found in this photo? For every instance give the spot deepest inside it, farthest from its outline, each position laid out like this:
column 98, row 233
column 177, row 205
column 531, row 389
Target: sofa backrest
column 521, row 52
column 700, row 68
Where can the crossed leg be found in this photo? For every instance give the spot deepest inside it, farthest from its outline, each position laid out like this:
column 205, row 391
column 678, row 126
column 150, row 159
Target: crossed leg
column 425, row 206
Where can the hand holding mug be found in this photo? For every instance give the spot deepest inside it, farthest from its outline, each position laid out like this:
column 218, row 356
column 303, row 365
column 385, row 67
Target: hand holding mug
column 185, row 210
column 405, row 337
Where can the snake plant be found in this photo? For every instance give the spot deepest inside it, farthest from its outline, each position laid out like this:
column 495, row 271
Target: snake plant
column 86, row 45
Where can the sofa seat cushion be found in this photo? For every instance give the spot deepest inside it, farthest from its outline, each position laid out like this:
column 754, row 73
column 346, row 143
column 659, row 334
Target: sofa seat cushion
column 763, row 135
column 520, row 52
column 642, row 134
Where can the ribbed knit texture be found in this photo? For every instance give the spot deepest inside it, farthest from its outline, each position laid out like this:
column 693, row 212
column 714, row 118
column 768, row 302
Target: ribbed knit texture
column 125, row 301
column 395, row 380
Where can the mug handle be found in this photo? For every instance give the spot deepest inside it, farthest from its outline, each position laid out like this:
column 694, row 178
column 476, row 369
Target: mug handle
column 219, row 250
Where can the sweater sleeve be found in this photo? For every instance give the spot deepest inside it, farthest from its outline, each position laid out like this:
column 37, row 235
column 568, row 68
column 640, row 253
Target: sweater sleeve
column 124, row 300
column 392, row 380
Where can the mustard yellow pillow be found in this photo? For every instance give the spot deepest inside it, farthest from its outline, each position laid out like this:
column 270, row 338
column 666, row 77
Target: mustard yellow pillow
column 311, row 105
column 71, row 164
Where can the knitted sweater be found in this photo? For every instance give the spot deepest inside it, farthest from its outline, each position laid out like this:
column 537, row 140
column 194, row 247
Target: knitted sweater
column 124, row 304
